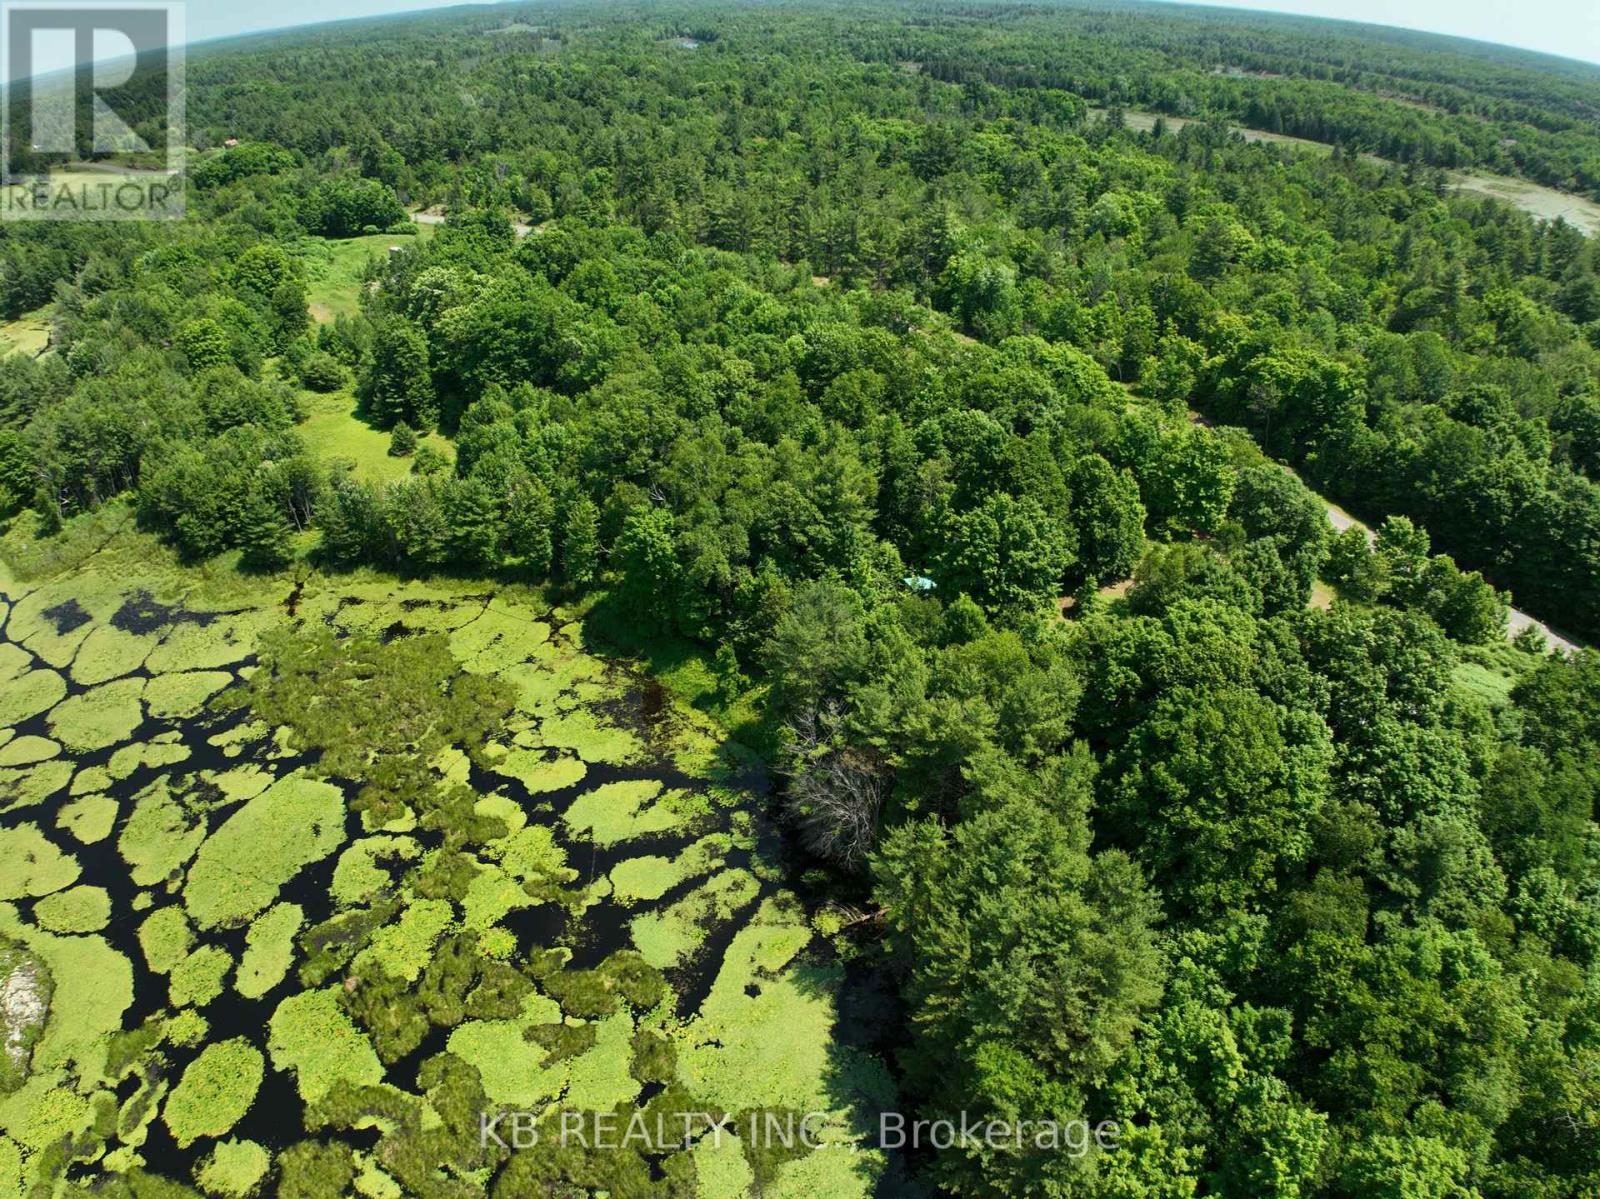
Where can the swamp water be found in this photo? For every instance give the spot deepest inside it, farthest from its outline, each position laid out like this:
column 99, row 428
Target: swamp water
column 172, row 868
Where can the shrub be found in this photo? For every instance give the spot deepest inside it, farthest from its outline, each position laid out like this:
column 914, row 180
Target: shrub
column 402, row 441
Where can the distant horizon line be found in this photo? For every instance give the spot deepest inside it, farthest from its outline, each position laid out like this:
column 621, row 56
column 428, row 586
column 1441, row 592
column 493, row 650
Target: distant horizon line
column 1223, row 6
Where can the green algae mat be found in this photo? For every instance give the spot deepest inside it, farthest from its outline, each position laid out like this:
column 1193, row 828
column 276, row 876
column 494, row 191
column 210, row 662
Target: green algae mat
column 363, row 887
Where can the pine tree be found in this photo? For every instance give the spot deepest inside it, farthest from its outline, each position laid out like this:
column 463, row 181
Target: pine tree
column 263, row 535
column 580, row 543
column 397, row 385
column 529, row 516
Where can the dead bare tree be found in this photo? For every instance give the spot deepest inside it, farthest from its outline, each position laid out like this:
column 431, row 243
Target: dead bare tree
column 835, row 790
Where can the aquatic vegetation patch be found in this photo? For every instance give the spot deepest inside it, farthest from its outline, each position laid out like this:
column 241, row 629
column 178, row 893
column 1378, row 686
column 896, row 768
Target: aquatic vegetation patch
column 652, row 876
column 648, row 877
column 454, row 916
column 233, row 1169
column 414, row 703
column 242, row 782
column 75, row 910
column 539, row 770
column 141, row 755
column 216, row 1090
column 31, row 865
column 159, row 836
column 169, row 696
column 510, row 1065
column 497, row 638
column 762, row 1036
column 25, row 751
column 310, row 1035
column 89, row 818
column 599, row 1079
column 28, row 786
column 721, row 1168
column 403, row 949
column 242, row 866
column 269, row 950
column 51, row 624
column 91, row 778
column 531, row 856
column 99, row 717
column 199, row 978
column 14, row 661
column 208, row 645
column 166, row 938
column 27, row 694
column 359, row 874
column 185, row 1028
column 11, row 1180
column 616, row 812
column 591, row 737
column 43, row 1110
column 667, row 937
column 491, row 896
column 109, row 653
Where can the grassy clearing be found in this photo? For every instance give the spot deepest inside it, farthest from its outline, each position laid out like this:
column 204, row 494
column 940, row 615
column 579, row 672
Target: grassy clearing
column 334, row 268
column 1489, row 672
column 29, row 334
column 1543, row 202
column 334, row 429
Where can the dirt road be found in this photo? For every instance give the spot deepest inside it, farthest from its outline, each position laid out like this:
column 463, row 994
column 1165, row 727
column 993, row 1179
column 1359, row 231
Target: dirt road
column 1516, row 619
column 437, row 218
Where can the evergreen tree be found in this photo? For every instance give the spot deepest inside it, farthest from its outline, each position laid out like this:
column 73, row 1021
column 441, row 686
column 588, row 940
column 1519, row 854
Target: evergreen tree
column 580, row 543
column 397, row 386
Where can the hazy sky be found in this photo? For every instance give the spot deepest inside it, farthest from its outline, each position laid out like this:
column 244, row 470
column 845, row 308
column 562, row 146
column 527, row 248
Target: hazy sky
column 218, row 18
column 1567, row 27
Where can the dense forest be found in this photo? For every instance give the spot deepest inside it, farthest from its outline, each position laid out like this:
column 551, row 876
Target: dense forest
column 971, row 444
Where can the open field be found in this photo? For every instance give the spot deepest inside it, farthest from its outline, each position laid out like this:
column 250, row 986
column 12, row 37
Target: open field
column 28, row 334
column 334, row 430
column 334, row 267
column 1543, row 202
